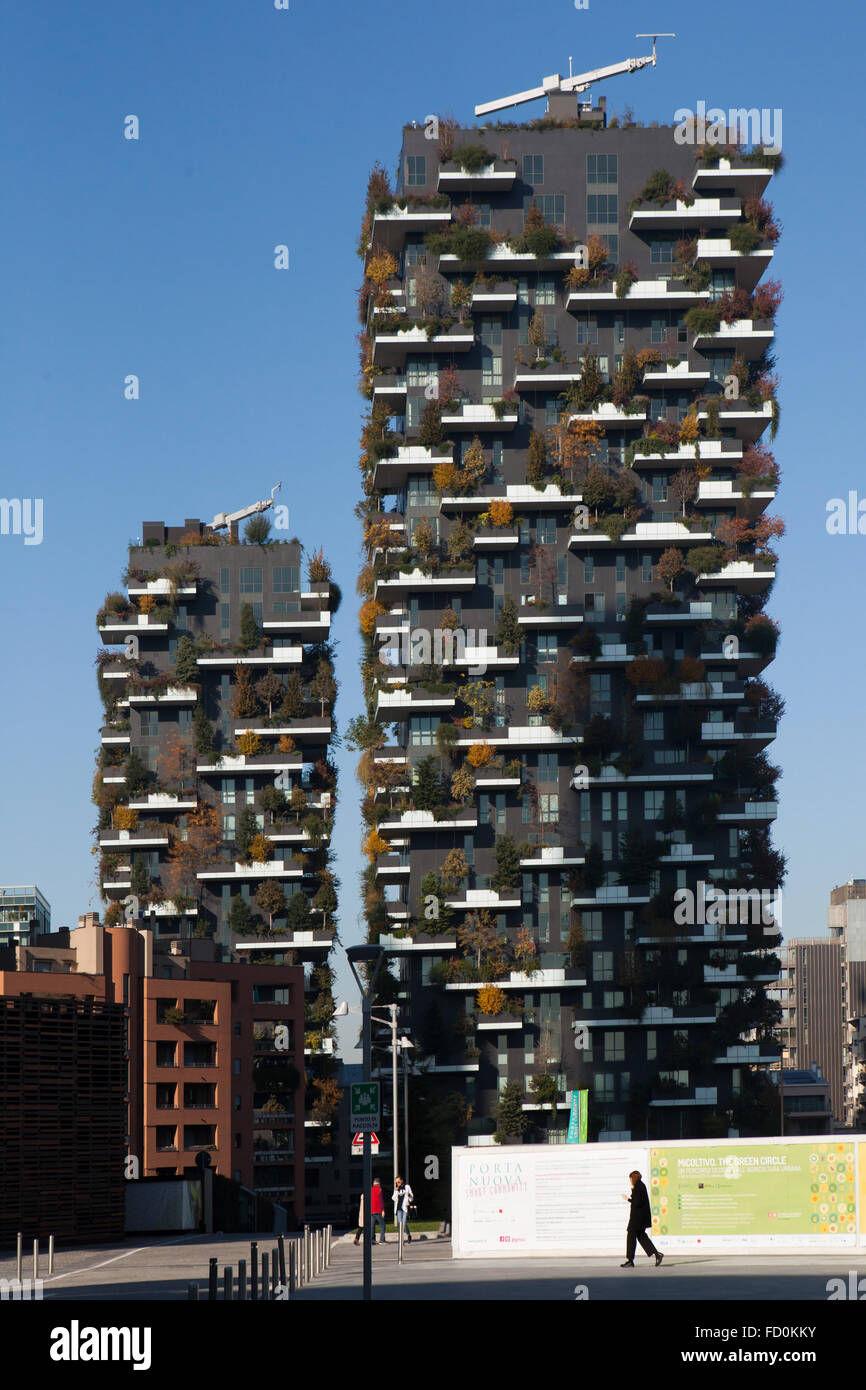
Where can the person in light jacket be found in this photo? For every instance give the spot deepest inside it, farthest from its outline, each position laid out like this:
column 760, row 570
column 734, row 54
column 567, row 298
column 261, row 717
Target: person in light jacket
column 403, row 1198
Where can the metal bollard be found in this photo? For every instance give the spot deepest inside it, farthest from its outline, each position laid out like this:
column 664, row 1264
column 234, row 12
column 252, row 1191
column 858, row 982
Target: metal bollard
column 51, row 1255
column 399, row 1242
column 330, row 1231
column 227, row 1283
column 20, row 1257
column 275, row 1272
column 212, row 1279
column 242, row 1280
column 36, row 1259
column 254, row 1270
column 192, row 1292
column 281, row 1251
column 265, row 1288
column 292, row 1270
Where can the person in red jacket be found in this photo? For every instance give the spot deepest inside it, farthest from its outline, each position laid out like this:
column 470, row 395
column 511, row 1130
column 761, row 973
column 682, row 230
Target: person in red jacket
column 377, row 1209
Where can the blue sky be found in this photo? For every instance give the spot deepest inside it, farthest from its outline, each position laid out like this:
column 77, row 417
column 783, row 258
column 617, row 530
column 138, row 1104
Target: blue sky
column 155, row 257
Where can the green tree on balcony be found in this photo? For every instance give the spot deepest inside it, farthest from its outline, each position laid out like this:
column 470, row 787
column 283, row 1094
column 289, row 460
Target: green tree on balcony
column 273, row 802
column 269, row 690
column 639, row 856
column 511, row 1120
column 506, row 879
column 294, row 705
column 323, row 686
column 250, row 637
column 299, row 916
column 245, row 704
column 138, row 775
column 508, row 635
column 455, row 870
column 246, row 831
column 271, row 899
column 202, row 731
column 427, row 790
column 139, row 881
column 185, row 665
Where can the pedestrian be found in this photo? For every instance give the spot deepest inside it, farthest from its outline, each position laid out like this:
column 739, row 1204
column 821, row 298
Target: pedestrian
column 377, row 1209
column 360, row 1229
column 403, row 1198
column 640, row 1217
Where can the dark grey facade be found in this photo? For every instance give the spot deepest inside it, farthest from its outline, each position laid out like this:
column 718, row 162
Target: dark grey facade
column 595, row 740
column 215, row 787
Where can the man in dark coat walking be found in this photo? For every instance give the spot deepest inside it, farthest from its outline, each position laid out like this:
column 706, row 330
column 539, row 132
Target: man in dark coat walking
column 639, row 1219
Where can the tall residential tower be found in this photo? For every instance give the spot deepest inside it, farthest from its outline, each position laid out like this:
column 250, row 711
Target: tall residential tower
column 216, row 794
column 567, row 350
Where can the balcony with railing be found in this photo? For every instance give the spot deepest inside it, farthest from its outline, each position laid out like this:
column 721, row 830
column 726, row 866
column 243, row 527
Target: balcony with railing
column 700, row 212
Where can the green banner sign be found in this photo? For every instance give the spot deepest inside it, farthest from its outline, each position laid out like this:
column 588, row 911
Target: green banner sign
column 577, row 1118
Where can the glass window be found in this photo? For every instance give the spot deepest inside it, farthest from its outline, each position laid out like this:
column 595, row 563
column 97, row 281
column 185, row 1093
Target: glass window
column 496, row 463
column 416, row 170
column 659, row 331
column 662, row 251
column 611, row 241
column 646, row 568
column 421, row 730
column 251, row 579
column 420, row 491
column 287, row 579
column 551, row 206
column 602, row 207
column 653, row 725
column 224, row 580
column 420, row 371
column 587, row 330
column 602, row 965
column 604, row 1085
column 601, row 168
column 533, row 168
column 545, row 292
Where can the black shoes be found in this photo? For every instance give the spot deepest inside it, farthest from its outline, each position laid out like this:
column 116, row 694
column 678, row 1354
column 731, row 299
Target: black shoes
column 659, row 1259
column 627, row 1264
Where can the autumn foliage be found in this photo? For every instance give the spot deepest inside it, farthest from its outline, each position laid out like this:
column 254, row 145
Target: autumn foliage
column 479, row 754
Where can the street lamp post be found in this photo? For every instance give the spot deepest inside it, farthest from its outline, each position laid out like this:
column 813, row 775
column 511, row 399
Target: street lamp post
column 392, row 1024
column 370, row 955
column 405, row 1046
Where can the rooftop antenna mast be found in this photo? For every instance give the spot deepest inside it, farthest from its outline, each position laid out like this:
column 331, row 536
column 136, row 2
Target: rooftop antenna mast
column 581, row 82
